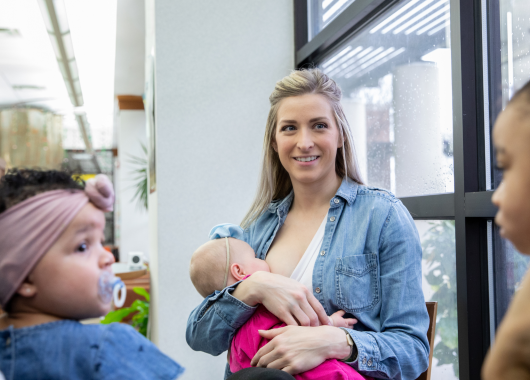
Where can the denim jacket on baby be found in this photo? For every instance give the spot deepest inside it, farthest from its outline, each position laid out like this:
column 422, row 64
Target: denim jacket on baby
column 369, row 265
column 70, row 350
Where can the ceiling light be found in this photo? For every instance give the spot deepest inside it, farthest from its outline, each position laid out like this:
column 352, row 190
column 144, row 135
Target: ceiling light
column 419, row 17
column 393, row 16
column 326, row 3
column 425, row 21
column 9, row 32
column 56, row 22
column 337, row 56
column 407, row 16
column 333, row 9
column 432, row 24
column 439, row 28
column 344, row 59
column 379, row 63
column 27, row 87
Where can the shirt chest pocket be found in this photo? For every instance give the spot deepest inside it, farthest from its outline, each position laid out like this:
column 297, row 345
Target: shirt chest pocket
column 357, row 285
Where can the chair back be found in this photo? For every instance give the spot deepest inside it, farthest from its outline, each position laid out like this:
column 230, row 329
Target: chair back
column 432, row 308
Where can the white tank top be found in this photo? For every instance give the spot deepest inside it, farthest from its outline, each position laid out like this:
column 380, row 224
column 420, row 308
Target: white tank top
column 303, row 273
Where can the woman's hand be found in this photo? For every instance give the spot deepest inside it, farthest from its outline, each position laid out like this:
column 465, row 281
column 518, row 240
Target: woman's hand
column 286, row 298
column 296, row 349
column 509, row 356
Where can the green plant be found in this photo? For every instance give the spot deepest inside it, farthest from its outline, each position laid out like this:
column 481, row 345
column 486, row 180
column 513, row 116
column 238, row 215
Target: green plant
column 140, row 177
column 141, row 308
column 440, row 258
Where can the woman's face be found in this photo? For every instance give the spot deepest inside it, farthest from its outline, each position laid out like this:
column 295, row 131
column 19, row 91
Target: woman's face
column 512, row 142
column 307, row 138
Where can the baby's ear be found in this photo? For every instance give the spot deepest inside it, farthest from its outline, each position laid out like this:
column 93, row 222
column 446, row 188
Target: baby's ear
column 27, row 290
column 237, row 271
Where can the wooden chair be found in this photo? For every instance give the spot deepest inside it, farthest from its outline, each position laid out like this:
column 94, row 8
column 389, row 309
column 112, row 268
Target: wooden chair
column 432, row 308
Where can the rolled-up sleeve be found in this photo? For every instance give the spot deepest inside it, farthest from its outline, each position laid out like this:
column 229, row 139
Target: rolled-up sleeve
column 400, row 350
column 214, row 322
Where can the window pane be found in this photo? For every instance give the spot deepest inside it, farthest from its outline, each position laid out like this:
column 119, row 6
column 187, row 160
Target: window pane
column 510, row 267
column 508, row 70
column 322, row 12
column 396, row 80
column 439, row 284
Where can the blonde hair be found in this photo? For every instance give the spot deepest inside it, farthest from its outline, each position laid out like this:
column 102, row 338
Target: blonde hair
column 207, row 266
column 275, row 182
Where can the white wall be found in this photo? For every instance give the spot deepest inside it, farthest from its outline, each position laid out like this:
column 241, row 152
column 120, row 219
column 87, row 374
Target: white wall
column 133, row 220
column 132, row 228
column 216, row 65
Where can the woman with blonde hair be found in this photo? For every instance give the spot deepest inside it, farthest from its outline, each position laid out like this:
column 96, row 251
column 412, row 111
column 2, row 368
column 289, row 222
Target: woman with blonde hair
column 331, row 243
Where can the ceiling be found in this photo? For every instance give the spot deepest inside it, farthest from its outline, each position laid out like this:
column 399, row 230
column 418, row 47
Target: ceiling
column 29, row 74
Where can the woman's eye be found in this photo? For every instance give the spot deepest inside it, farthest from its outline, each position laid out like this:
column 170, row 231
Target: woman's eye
column 321, row 126
column 82, row 247
column 288, row 128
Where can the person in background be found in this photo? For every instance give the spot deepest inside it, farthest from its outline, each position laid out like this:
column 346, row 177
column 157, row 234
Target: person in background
column 509, row 356
column 55, row 272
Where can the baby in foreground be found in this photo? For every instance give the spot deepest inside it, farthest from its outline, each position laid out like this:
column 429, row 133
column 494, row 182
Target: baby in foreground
column 54, row 272
column 223, row 262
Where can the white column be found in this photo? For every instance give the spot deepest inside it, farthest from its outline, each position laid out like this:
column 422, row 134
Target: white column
column 216, row 65
column 418, row 132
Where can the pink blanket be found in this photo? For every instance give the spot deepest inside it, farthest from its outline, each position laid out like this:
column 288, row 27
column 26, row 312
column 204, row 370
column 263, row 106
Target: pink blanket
column 247, row 342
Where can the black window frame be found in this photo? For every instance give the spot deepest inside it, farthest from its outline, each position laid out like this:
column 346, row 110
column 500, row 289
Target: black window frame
column 470, row 205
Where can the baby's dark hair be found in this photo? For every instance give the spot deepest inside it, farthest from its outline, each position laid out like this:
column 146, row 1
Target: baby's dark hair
column 20, row 184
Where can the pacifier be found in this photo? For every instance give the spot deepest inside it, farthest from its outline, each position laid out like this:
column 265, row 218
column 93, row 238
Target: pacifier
column 109, row 288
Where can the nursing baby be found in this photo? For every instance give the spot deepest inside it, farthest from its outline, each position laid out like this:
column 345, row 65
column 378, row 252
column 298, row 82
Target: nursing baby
column 224, row 261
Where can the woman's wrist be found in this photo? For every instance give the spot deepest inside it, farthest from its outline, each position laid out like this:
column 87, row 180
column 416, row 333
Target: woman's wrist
column 338, row 347
column 245, row 292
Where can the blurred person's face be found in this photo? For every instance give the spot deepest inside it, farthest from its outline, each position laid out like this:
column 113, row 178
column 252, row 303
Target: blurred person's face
column 307, row 138
column 65, row 281
column 512, row 142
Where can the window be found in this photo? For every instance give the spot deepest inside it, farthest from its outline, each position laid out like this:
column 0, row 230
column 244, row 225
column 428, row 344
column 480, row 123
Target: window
column 396, row 82
column 439, row 284
column 322, row 12
column 506, row 69
column 423, row 83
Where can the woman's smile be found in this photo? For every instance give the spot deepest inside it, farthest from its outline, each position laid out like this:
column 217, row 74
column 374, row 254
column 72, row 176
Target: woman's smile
column 305, row 161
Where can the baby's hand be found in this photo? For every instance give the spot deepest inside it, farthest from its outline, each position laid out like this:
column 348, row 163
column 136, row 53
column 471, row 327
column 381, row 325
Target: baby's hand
column 338, row 321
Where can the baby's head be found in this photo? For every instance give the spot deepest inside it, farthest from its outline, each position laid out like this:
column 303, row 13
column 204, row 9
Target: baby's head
column 209, row 263
column 51, row 258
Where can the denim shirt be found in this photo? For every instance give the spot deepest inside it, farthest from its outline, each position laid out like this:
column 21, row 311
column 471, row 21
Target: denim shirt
column 369, row 265
column 70, row 350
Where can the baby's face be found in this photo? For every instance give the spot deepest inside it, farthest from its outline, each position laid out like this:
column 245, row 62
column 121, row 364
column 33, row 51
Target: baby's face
column 66, row 278
column 244, row 261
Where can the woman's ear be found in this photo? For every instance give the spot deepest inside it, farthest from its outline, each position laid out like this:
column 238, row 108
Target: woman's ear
column 237, row 271
column 27, row 290
column 274, row 146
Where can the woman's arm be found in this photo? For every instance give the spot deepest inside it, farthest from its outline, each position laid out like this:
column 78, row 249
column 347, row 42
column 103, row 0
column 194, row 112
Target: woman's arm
column 509, row 356
column 213, row 323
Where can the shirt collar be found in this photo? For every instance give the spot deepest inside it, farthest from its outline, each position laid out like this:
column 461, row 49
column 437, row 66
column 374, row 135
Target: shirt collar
column 347, row 191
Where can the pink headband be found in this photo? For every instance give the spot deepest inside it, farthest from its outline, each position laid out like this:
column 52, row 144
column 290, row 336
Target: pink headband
column 30, row 228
